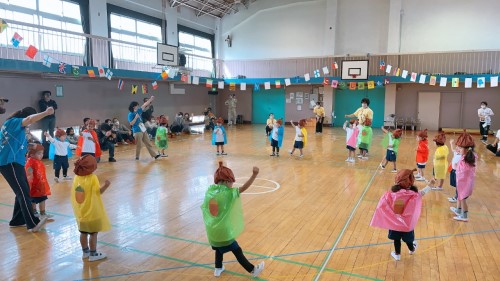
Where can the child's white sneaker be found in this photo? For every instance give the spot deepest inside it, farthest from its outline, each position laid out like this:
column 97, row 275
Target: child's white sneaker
column 394, row 171
column 258, row 269
column 67, row 178
column 415, row 245
column 85, row 255
column 455, row 211
column 97, row 256
column 381, row 166
column 396, row 257
column 420, row 179
column 452, row 199
column 352, row 160
column 460, row 218
column 348, row 159
column 56, row 179
column 218, row 271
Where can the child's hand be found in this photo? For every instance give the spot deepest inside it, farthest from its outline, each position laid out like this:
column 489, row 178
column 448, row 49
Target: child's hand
column 452, row 141
column 107, row 183
column 255, row 170
column 46, row 134
column 432, row 182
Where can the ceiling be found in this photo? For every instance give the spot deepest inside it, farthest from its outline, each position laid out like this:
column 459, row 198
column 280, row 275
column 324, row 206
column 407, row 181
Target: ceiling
column 214, row 8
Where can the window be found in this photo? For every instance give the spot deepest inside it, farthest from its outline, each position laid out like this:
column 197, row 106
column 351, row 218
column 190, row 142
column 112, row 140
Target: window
column 135, row 32
column 192, row 42
column 58, row 14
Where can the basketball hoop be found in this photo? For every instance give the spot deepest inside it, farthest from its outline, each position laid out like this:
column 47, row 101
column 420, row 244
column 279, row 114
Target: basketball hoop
column 354, row 76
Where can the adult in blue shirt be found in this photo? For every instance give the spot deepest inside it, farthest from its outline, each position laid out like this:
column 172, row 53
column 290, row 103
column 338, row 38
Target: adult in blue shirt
column 13, row 147
column 49, row 122
column 139, row 130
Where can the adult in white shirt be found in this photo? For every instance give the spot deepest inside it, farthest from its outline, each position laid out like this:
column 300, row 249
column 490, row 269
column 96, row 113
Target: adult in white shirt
column 231, row 109
column 495, row 147
column 484, row 113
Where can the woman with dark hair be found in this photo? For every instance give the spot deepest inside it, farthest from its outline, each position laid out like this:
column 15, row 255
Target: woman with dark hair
column 138, row 128
column 13, row 147
column 362, row 113
column 484, row 113
column 49, row 122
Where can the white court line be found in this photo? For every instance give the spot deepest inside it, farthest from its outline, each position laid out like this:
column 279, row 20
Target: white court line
column 271, row 189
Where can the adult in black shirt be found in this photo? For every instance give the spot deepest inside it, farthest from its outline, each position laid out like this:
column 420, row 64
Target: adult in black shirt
column 148, row 112
column 49, row 122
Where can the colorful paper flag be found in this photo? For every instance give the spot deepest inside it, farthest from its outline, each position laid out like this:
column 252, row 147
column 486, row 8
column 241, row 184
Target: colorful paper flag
column 335, row 66
column 256, row 87
column 288, row 82
column 398, row 71
column 196, row 80
column 432, row 81
column 220, row 85
column 316, row 73
column 154, row 85
column 387, row 81
column 208, row 84
column 342, row 85
column 144, row 89
column 455, row 82
column 120, row 84
column 307, row 77
column 47, row 61
column 379, row 83
column 278, row 84
column 388, row 68
column 134, row 89
column 62, row 68
column 109, row 74
column 91, row 73
column 443, row 81
column 382, row 65
column 326, row 81
column 31, row 51
column 404, row 74
column 422, row 78
column 267, row 85
column 3, row 25
column 352, row 86
column 164, row 75
column 361, row 85
column 481, row 82
column 16, row 39
column 101, row 71
column 184, row 77
column 468, row 83
column 325, row 70
column 371, row 85
column 494, row 81
column 413, row 77
column 243, row 86
column 335, row 83
column 232, row 86
column 75, row 70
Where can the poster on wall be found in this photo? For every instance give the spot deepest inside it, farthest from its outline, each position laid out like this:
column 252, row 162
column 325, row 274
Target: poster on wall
column 299, row 107
column 299, row 100
column 292, row 95
column 300, row 95
column 313, row 99
column 288, row 100
column 306, row 96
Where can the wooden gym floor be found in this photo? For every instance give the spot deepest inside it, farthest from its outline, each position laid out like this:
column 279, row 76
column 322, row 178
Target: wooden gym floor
column 306, row 218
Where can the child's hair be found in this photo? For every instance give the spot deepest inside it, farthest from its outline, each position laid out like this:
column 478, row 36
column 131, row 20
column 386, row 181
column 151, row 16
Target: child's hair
column 85, row 120
column 368, row 122
column 34, row 148
column 466, row 141
column 396, row 188
column 68, row 130
column 352, row 121
column 23, row 113
column 59, row 133
column 440, row 139
column 220, row 120
column 423, row 134
column 162, row 120
column 397, row 133
column 302, row 122
column 469, row 157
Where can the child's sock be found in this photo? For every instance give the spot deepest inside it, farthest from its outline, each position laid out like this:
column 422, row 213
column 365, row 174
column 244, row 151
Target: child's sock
column 86, row 250
column 464, row 214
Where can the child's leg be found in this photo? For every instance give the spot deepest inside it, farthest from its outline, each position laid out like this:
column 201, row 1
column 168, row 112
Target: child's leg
column 222, row 148
column 238, row 253
column 300, row 150
column 57, row 172
column 93, row 242
column 397, row 246
column 84, row 242
column 42, row 208
column 218, row 148
column 293, row 150
column 440, row 183
column 65, row 172
column 394, row 162
column 277, row 150
column 34, row 207
column 465, row 207
column 219, row 257
column 421, row 172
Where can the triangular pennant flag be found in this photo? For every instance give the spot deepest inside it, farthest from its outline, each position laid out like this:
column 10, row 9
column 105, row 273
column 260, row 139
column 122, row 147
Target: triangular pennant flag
column 75, row 70
column 381, row 65
column 109, row 74
column 3, row 25
column 307, row 77
column 267, row 85
column 371, row 85
column 394, row 72
column 335, row 66
column 62, row 68
column 91, row 73
column 468, row 83
column 352, row 86
column 278, row 84
column 494, row 81
column 361, row 85
column 101, row 72
column 432, row 80
column 481, row 82
column 422, row 79
column 388, row 68
column 208, row 84
column 256, row 87
column 16, row 39
column 398, row 71
column 164, row 75
column 154, row 85
column 326, row 81
column 316, row 73
column 335, row 83
column 120, row 84
column 404, row 74
column 196, row 80
column 243, row 86
column 455, row 82
column 443, row 81
column 184, row 77
column 220, row 85
column 413, row 77
column 232, row 86
column 134, row 89
column 288, row 82
column 31, row 51
column 47, row 61
column 387, row 81
column 325, row 70
column 144, row 89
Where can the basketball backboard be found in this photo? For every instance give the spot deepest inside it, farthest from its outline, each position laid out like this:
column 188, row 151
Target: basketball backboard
column 355, row 70
column 167, row 55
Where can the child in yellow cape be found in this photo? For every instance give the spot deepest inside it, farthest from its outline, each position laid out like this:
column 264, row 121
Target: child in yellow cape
column 223, row 218
column 300, row 137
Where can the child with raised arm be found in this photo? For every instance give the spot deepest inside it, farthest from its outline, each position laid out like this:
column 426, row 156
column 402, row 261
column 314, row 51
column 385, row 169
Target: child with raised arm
column 391, row 141
column 219, row 137
column 37, row 179
column 88, row 208
column 60, row 150
column 351, row 138
column 223, row 218
column 276, row 137
column 300, row 137
column 422, row 154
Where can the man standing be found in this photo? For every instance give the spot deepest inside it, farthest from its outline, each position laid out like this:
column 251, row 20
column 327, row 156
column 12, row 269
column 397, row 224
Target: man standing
column 320, row 117
column 362, row 113
column 484, row 114
column 231, row 109
column 48, row 123
column 146, row 114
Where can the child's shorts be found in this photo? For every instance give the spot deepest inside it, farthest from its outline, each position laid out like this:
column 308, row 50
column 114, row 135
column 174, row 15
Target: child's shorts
column 224, row 249
column 219, row 143
column 83, row 232
column 38, row 200
column 274, row 143
column 390, row 155
column 350, row 148
column 421, row 165
column 363, row 149
column 298, row 144
column 453, row 178
column 408, row 237
column 61, row 162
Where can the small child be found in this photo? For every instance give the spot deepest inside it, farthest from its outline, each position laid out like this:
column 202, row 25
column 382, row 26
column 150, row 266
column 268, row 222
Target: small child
column 466, row 174
column 276, row 137
column 300, row 137
column 422, row 154
column 88, row 208
column 453, row 176
column 72, row 138
column 440, row 160
column 398, row 210
column 219, row 136
column 351, row 139
column 365, row 139
column 37, row 179
column 88, row 142
column 223, row 218
column 161, row 139
column 60, row 151
column 393, row 140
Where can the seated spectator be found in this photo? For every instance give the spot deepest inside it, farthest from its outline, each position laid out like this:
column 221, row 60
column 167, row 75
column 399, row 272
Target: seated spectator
column 107, row 140
column 123, row 134
column 177, row 125
column 495, row 147
column 209, row 119
column 151, row 126
column 71, row 136
column 185, row 124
